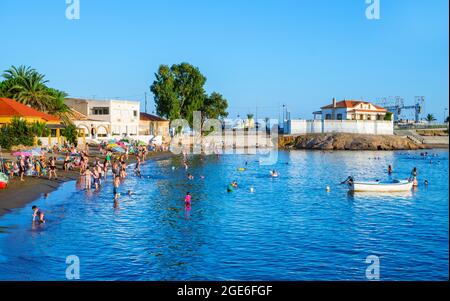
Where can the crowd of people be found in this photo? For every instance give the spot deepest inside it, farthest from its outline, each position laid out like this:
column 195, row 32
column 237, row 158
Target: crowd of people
column 93, row 171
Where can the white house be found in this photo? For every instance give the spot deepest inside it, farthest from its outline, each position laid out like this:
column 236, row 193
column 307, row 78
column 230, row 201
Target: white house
column 346, row 116
column 106, row 118
column 352, row 110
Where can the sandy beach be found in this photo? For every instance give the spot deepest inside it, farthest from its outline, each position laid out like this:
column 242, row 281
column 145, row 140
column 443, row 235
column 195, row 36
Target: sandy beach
column 18, row 194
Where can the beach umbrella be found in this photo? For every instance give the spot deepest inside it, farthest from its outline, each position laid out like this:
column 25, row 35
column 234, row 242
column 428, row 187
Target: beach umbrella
column 118, row 149
column 18, row 154
column 112, row 145
column 36, row 153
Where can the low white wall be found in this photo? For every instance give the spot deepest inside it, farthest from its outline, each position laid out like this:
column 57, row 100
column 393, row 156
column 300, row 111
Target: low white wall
column 374, row 127
column 45, row 142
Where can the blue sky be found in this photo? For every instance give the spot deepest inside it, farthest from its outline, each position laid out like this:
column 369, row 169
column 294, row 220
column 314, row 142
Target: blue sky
column 257, row 53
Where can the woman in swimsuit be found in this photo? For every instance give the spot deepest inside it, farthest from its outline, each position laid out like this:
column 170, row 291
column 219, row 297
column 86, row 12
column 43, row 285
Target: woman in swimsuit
column 52, row 168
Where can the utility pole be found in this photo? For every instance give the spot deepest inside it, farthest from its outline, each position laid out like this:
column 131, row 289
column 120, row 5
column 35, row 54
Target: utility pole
column 145, row 96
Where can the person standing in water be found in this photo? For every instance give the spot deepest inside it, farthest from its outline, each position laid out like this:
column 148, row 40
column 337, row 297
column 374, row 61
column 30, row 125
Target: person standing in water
column 137, row 167
column 87, row 178
column 116, row 188
column 37, row 213
column 414, row 177
column 96, row 175
column 187, row 200
column 389, row 169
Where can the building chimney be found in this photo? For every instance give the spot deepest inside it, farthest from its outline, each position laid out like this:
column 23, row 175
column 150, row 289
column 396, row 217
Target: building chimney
column 334, row 102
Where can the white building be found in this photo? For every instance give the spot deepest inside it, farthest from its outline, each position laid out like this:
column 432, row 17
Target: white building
column 346, row 116
column 352, row 110
column 106, row 118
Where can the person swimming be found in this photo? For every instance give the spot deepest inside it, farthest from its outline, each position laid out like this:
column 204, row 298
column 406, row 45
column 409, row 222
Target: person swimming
column 234, row 184
column 37, row 213
column 389, row 169
column 274, row 174
column 190, row 176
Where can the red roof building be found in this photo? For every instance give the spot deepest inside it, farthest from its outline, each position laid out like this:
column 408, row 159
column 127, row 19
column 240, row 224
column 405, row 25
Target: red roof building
column 10, row 108
column 352, row 110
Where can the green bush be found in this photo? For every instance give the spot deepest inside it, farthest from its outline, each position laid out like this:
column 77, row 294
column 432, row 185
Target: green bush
column 388, row 116
column 70, row 132
column 18, row 132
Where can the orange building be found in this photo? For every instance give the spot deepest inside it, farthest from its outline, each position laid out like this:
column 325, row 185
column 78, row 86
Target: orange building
column 10, row 108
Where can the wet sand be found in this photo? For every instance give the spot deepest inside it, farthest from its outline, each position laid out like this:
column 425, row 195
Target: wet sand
column 19, row 194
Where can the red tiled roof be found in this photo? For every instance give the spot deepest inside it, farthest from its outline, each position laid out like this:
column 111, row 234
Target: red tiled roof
column 10, row 107
column 150, row 117
column 350, row 104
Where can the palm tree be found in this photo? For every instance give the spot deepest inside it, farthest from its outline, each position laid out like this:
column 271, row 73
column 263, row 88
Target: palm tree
column 430, row 118
column 26, row 85
column 32, row 91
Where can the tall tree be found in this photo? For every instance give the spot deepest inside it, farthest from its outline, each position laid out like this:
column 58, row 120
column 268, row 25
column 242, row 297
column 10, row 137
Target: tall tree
column 26, row 85
column 179, row 91
column 215, row 106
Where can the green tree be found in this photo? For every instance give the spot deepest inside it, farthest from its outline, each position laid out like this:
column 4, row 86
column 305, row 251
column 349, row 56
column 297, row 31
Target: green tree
column 388, row 116
column 26, row 85
column 430, row 118
column 215, row 106
column 179, row 91
column 17, row 132
column 70, row 132
column 39, row 129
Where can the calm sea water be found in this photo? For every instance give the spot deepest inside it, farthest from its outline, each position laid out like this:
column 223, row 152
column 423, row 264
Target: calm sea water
column 289, row 228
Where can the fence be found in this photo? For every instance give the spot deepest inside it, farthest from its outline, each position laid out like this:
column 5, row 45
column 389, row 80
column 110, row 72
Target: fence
column 373, row 127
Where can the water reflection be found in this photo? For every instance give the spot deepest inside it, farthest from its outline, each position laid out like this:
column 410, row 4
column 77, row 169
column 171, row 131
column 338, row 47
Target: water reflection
column 289, row 228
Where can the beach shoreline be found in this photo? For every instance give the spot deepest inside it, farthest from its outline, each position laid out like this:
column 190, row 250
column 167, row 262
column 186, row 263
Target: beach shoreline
column 20, row 194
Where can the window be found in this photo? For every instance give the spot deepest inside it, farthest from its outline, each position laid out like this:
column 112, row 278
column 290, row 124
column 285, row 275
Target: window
column 328, row 116
column 135, row 113
column 100, row 111
column 339, row 116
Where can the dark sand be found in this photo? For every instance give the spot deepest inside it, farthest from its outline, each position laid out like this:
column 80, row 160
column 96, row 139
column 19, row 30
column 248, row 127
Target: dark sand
column 18, row 194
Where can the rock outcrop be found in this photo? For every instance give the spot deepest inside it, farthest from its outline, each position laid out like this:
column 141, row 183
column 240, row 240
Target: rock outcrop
column 342, row 141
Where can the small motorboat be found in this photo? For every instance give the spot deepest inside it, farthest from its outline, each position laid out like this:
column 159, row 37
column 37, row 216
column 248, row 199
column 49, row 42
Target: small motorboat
column 378, row 186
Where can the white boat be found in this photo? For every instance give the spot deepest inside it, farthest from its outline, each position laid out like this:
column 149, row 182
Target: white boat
column 395, row 185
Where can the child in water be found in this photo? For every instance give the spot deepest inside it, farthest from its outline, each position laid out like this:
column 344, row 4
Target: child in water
column 187, row 200
column 37, row 213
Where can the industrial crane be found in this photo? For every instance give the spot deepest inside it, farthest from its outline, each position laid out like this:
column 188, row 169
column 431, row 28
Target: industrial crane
column 396, row 106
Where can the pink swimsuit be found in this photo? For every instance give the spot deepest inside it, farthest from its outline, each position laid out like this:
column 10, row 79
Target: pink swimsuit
column 187, row 200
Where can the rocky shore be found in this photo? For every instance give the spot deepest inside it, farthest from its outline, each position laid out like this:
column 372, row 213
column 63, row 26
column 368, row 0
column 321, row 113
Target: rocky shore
column 341, row 141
